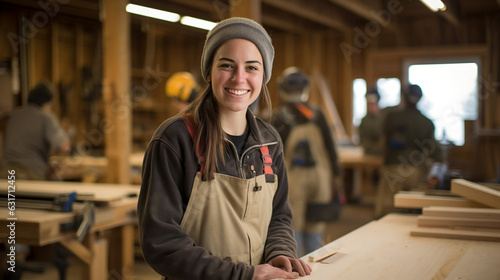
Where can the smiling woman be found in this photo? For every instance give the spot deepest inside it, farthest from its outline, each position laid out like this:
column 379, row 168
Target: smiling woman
column 214, row 195
column 236, row 77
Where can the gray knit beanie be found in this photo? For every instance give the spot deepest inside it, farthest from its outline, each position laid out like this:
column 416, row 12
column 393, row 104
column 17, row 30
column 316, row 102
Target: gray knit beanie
column 237, row 27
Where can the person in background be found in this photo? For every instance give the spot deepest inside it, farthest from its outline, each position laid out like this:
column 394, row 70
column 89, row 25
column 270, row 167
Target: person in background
column 310, row 156
column 181, row 89
column 32, row 134
column 369, row 135
column 409, row 143
column 214, row 195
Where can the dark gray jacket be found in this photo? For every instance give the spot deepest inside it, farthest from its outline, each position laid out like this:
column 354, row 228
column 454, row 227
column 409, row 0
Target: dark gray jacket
column 169, row 169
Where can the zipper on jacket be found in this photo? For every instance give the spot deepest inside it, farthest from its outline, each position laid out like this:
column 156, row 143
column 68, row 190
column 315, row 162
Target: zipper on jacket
column 241, row 172
column 248, row 150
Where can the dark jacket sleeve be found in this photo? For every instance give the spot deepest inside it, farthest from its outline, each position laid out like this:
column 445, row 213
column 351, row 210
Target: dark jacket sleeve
column 280, row 239
column 169, row 167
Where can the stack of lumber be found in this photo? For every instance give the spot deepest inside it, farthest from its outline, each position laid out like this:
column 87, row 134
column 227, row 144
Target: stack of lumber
column 474, row 214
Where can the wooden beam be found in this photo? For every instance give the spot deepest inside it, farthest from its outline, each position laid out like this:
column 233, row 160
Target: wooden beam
column 77, row 249
column 329, row 18
column 449, row 222
column 456, row 234
column 249, row 9
column 420, row 200
column 369, row 10
column 476, row 192
column 199, row 4
column 324, row 252
column 333, row 113
column 461, row 212
column 278, row 23
column 116, row 90
column 122, row 252
column 439, row 52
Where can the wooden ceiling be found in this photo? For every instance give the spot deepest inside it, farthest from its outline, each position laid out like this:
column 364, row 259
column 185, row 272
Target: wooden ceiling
column 298, row 16
column 402, row 23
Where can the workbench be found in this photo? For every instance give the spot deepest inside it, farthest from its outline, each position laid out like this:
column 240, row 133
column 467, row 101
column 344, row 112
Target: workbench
column 384, row 249
column 91, row 168
column 108, row 248
column 362, row 165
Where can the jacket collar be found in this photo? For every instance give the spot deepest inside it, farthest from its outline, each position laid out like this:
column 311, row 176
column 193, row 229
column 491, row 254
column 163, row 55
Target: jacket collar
column 260, row 133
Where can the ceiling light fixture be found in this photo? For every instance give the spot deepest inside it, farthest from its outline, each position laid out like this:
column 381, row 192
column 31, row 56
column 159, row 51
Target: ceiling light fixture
column 434, row 5
column 198, row 23
column 152, row 13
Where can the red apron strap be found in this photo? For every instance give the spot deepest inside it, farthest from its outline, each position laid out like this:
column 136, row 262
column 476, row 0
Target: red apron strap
column 188, row 120
column 267, row 160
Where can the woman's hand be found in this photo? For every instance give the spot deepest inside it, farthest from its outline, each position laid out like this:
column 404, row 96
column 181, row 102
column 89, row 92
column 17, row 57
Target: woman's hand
column 291, row 264
column 281, row 267
column 267, row 272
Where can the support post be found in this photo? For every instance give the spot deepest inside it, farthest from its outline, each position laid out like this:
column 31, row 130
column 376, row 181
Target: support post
column 117, row 122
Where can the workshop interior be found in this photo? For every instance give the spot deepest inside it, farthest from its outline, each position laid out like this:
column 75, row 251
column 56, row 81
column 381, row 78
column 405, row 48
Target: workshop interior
column 406, row 95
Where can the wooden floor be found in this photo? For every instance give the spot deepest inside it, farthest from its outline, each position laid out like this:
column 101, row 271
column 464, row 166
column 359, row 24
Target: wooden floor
column 353, row 216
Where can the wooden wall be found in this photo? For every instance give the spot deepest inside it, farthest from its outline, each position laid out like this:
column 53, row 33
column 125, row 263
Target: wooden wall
column 56, row 51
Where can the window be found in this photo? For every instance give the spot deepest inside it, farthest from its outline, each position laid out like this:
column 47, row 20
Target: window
column 449, row 96
column 358, row 101
column 389, row 90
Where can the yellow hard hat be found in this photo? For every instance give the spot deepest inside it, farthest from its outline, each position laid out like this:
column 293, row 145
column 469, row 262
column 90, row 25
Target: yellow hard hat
column 181, row 86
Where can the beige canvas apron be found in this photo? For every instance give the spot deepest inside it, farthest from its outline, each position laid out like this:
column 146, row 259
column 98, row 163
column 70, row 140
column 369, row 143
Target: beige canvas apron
column 229, row 216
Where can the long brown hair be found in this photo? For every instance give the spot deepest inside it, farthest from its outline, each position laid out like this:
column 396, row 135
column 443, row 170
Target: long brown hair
column 204, row 111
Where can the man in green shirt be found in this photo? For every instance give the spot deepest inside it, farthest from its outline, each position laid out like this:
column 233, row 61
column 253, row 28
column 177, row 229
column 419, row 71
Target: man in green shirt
column 408, row 143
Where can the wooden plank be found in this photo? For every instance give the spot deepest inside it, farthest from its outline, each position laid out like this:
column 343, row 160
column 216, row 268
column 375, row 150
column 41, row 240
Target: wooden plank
column 340, row 133
column 457, row 234
column 420, row 200
column 472, row 267
column 449, row 222
column 476, row 192
column 103, row 193
column 462, row 212
column 324, row 252
column 38, row 227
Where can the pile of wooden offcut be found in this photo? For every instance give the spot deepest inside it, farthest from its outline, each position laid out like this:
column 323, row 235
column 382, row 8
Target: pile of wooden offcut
column 473, row 215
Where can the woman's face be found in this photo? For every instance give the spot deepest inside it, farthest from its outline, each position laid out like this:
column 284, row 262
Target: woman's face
column 237, row 74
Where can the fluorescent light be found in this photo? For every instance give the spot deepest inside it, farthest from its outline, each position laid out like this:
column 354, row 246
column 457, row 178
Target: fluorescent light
column 198, row 23
column 153, row 13
column 434, row 5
